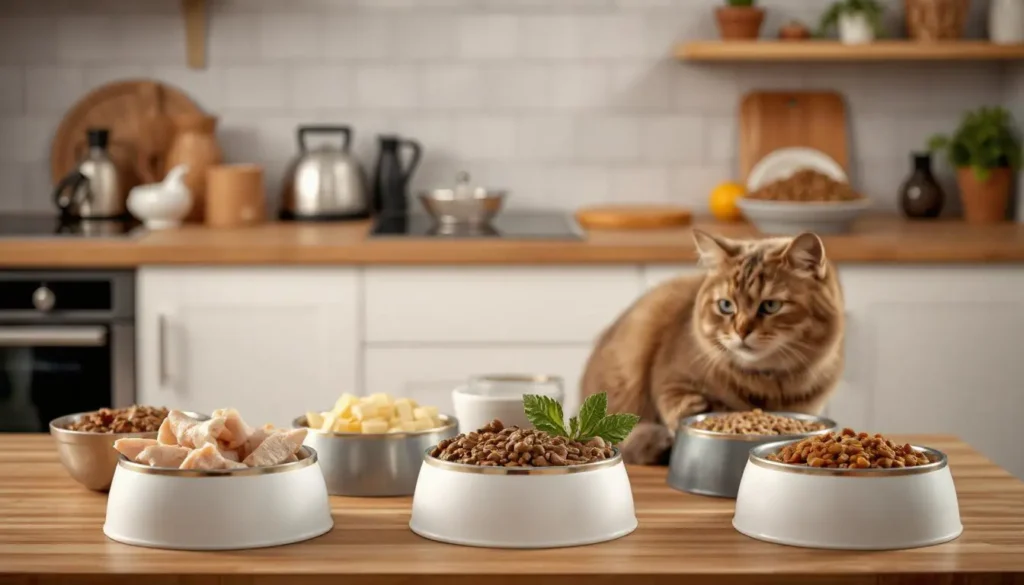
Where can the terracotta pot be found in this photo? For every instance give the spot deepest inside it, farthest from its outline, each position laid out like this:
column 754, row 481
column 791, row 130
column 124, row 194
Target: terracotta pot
column 794, row 31
column 195, row 145
column 936, row 20
column 985, row 201
column 736, row 23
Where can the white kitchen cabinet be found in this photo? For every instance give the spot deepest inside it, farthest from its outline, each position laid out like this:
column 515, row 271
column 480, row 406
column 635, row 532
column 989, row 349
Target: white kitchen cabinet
column 272, row 342
column 556, row 304
column 429, row 374
column 937, row 350
column 655, row 274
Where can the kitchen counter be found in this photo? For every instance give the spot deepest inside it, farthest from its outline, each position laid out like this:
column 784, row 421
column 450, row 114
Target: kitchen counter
column 874, row 240
column 51, row 532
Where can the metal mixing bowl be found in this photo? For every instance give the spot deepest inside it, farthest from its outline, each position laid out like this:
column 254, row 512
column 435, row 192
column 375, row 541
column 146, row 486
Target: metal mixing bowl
column 477, row 208
column 90, row 457
column 387, row 464
column 711, row 464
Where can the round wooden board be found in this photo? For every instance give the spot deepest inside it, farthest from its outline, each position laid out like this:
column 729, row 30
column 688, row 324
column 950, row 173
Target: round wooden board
column 137, row 114
column 633, row 217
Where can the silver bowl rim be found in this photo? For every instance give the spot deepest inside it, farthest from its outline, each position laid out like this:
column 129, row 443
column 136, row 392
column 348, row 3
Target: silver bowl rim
column 303, row 462
column 686, row 428
column 428, row 459
column 758, row 454
column 57, row 430
column 855, row 205
column 450, row 423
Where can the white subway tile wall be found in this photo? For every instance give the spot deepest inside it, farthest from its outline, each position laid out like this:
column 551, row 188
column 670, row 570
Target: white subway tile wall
column 563, row 102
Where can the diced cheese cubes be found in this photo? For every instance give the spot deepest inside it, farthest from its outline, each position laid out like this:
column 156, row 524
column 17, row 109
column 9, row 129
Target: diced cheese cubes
column 375, row 414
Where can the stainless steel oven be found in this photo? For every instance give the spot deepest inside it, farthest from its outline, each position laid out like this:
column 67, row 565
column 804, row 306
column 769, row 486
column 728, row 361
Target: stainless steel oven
column 67, row 344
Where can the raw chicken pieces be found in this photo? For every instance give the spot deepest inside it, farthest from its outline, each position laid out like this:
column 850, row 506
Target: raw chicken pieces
column 208, row 457
column 163, row 455
column 223, row 442
column 131, row 448
column 181, row 429
column 276, row 448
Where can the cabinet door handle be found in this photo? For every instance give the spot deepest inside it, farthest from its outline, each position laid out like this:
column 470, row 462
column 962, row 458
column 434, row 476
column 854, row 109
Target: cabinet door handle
column 162, row 349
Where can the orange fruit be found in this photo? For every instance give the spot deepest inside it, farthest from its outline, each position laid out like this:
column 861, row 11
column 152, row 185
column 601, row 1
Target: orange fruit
column 723, row 201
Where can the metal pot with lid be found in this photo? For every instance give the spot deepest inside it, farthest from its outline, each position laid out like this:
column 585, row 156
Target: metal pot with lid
column 463, row 204
column 325, row 182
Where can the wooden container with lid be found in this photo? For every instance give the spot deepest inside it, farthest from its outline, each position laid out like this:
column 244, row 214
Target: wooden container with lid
column 235, row 195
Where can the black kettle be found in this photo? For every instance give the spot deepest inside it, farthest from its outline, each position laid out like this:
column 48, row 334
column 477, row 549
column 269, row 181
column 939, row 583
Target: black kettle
column 391, row 181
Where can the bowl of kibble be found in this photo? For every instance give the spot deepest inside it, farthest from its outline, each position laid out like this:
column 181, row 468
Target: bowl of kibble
column 545, row 487
column 711, row 450
column 806, row 201
column 850, row 491
column 85, row 440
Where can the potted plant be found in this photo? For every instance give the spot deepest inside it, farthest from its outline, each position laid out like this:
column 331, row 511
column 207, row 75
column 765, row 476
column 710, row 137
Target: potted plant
column 985, row 149
column 858, row 21
column 739, row 20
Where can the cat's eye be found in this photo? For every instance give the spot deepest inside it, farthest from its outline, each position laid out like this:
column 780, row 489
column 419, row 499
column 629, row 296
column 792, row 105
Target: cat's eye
column 726, row 307
column 770, row 307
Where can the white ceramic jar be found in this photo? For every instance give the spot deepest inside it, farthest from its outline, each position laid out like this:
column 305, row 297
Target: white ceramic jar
column 500, row 396
column 1006, row 22
column 162, row 205
column 855, row 29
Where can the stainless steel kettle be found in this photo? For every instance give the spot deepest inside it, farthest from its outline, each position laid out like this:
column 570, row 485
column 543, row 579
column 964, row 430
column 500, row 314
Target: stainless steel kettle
column 93, row 189
column 325, row 182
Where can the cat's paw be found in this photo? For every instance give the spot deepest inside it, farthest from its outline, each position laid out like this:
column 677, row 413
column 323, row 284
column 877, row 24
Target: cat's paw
column 648, row 444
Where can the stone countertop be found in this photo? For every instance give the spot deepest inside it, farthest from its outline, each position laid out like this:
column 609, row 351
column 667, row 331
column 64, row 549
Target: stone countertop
column 885, row 240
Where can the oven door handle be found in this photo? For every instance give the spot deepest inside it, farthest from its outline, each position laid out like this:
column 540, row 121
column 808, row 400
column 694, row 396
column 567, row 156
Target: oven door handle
column 77, row 336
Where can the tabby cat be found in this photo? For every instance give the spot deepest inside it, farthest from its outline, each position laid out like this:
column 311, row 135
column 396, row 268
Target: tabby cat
column 762, row 328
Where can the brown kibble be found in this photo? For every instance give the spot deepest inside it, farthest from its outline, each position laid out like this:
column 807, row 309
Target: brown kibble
column 497, row 445
column 849, row 449
column 133, row 419
column 756, row 422
column 806, row 186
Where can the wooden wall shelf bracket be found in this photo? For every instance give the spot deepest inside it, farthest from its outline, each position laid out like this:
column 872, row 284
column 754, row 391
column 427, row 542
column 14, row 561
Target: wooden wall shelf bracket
column 194, row 12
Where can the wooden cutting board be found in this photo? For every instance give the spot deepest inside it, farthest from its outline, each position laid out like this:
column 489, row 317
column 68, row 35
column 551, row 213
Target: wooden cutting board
column 773, row 120
column 633, row 217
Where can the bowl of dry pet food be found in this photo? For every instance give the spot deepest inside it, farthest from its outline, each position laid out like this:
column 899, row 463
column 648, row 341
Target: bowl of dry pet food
column 848, row 490
column 804, row 200
column 215, row 483
column 373, row 445
column 85, row 440
column 509, row 487
column 711, row 450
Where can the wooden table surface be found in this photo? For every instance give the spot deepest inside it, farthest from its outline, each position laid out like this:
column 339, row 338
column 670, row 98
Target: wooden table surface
column 51, row 532
column 874, row 240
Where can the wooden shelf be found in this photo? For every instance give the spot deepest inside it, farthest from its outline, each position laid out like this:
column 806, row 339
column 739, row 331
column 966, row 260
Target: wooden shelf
column 796, row 51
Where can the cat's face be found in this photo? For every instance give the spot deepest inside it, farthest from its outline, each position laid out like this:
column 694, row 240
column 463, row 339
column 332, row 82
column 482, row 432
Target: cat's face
column 767, row 304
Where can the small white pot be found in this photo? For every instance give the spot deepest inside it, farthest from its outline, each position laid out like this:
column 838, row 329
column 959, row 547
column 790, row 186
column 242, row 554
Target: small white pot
column 162, row 205
column 855, row 29
column 1006, row 22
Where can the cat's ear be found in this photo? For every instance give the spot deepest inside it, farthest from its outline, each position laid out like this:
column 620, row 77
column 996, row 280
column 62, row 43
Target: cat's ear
column 714, row 250
column 807, row 253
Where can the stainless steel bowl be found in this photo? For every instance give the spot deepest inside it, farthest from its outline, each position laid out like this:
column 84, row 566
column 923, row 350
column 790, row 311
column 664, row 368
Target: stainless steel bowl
column 477, row 207
column 374, row 465
column 711, row 464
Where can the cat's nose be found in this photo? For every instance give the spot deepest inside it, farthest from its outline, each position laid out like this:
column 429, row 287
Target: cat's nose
column 744, row 328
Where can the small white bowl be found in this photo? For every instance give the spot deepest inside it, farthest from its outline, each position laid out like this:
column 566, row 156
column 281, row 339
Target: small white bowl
column 218, row 510
column 789, row 218
column 471, row 505
column 500, row 396
column 847, row 509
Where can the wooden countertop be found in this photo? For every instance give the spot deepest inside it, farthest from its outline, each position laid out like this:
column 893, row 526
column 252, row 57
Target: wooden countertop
column 51, row 532
column 874, row 240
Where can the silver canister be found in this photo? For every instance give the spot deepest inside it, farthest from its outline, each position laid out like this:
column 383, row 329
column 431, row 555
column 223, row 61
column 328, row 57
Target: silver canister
column 388, row 464
column 711, row 464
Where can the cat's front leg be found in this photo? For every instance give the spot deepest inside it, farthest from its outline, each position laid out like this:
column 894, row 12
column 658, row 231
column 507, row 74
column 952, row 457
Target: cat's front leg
column 679, row 400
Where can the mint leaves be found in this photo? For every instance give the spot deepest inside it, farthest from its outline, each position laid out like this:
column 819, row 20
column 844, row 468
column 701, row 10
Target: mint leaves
column 593, row 421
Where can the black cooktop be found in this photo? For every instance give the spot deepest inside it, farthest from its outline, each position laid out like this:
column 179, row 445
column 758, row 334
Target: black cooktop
column 511, row 225
column 56, row 226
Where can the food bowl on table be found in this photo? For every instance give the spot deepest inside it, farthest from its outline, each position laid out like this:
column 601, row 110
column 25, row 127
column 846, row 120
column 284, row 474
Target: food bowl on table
column 222, row 509
column 517, row 507
column 849, row 509
column 500, row 396
column 786, row 196
column 378, row 464
column 711, row 463
column 463, row 204
column 786, row 218
column 89, row 456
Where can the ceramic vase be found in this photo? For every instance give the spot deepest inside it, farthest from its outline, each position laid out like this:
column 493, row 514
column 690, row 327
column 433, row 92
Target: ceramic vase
column 1006, row 22
column 855, row 29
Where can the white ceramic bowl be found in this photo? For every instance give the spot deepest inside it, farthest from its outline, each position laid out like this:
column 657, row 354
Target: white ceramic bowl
column 784, row 162
column 789, row 218
column 500, row 397
column 218, row 510
column 864, row 509
column 540, row 507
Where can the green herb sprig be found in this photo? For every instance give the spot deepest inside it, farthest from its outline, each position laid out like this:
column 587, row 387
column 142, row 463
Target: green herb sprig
column 593, row 421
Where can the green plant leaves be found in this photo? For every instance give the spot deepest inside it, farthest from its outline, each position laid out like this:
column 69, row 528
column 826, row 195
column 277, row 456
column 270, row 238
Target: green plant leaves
column 986, row 139
column 593, row 421
column 616, row 427
column 545, row 414
column 592, row 412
